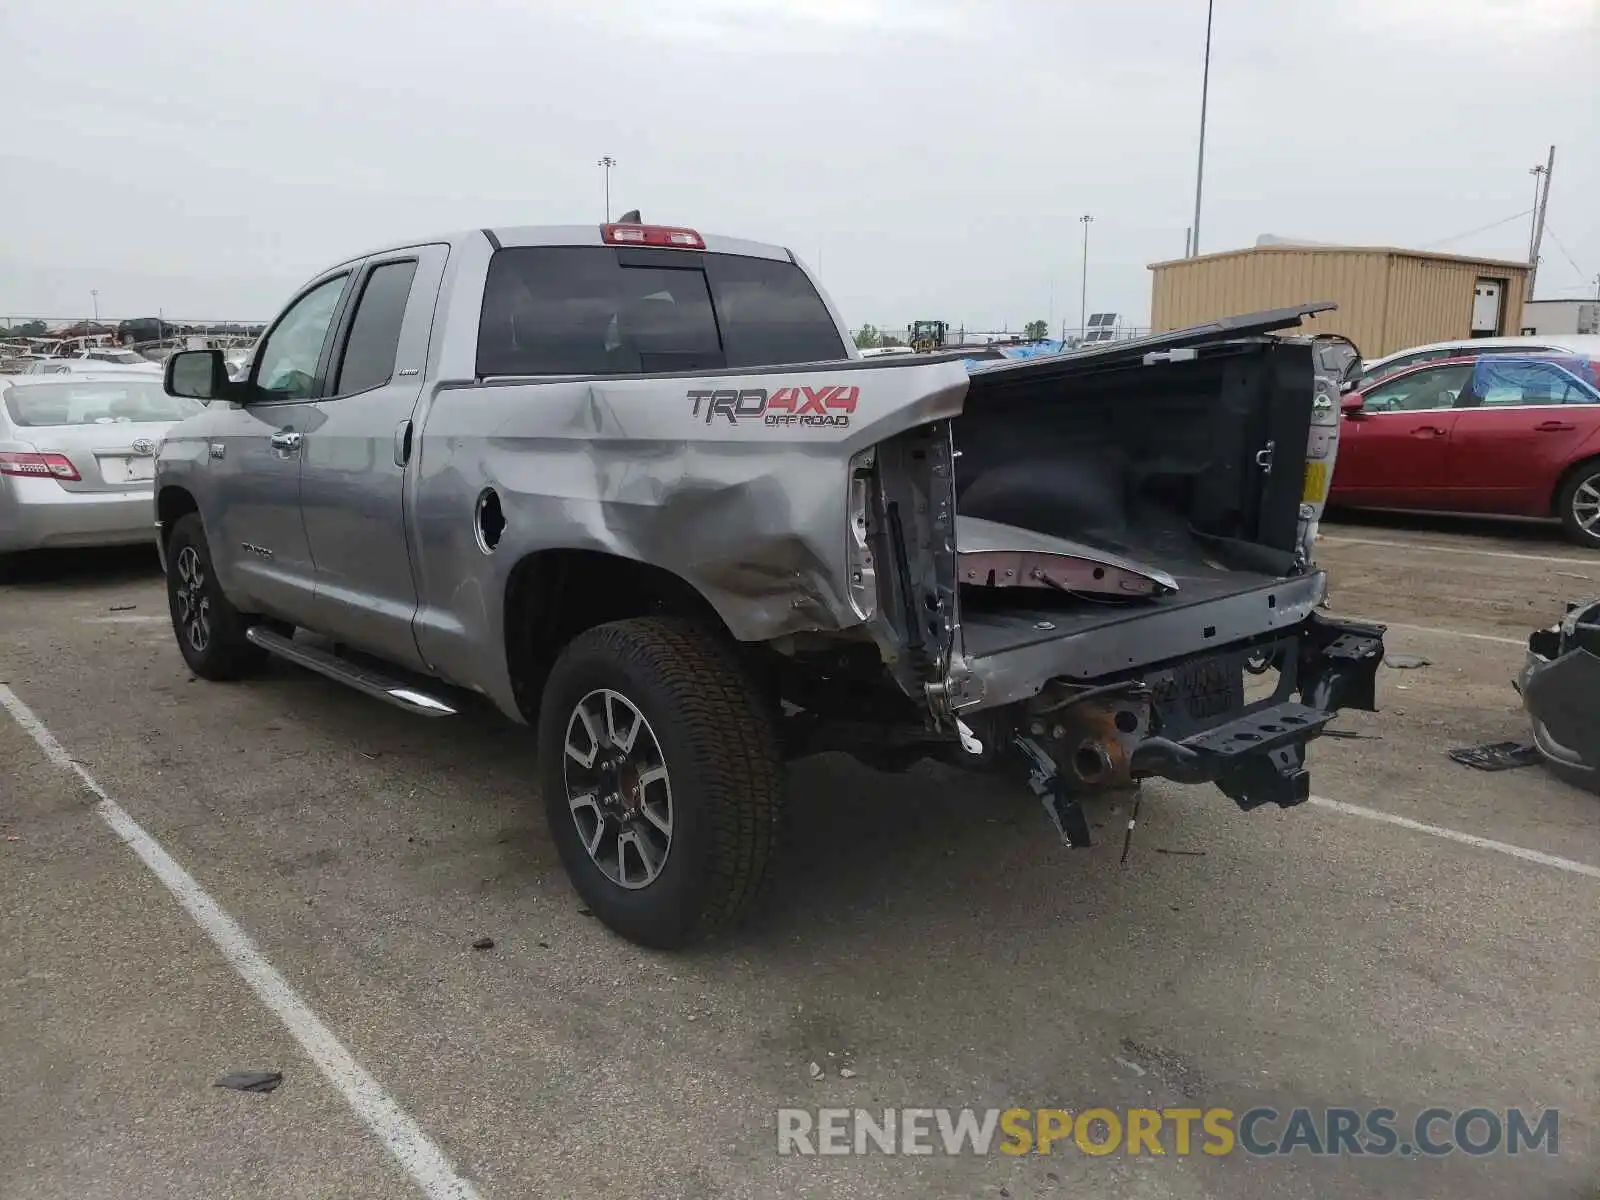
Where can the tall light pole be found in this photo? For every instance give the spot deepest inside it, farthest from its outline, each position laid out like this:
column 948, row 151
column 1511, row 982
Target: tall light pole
column 1541, row 177
column 1200, row 165
column 1533, row 220
column 605, row 164
column 94, row 295
column 1083, row 294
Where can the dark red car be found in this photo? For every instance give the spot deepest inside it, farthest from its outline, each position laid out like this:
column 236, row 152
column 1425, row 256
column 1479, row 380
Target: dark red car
column 1498, row 434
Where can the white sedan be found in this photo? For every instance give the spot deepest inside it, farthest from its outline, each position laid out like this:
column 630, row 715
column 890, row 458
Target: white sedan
column 77, row 457
column 1375, row 370
column 134, row 364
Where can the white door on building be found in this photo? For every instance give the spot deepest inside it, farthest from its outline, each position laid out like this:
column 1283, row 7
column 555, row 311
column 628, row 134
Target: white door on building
column 1486, row 297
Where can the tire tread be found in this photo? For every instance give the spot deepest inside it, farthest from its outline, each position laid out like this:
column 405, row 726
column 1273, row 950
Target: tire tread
column 230, row 655
column 736, row 767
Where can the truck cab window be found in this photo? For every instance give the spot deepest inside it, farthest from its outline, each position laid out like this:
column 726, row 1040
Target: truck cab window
column 287, row 360
column 769, row 313
column 581, row 310
column 369, row 351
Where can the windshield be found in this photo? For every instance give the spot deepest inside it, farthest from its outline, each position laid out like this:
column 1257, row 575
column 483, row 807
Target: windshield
column 116, row 356
column 97, row 402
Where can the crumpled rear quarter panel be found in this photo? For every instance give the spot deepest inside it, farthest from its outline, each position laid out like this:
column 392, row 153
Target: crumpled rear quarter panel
column 750, row 511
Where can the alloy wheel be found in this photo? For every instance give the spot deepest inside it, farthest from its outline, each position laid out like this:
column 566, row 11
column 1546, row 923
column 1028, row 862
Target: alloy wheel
column 194, row 605
column 1586, row 506
column 618, row 788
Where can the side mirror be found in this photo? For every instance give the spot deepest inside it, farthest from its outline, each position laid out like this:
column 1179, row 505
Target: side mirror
column 198, row 375
column 1351, row 402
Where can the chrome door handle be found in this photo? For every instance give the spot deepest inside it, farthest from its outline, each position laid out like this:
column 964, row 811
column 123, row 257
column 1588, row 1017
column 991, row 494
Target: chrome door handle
column 287, row 440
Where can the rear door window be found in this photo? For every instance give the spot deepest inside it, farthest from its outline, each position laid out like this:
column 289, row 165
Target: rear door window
column 588, row 310
column 374, row 340
column 1502, row 384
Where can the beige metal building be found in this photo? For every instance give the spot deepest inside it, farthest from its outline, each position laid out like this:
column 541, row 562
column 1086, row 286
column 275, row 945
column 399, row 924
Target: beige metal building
column 1388, row 299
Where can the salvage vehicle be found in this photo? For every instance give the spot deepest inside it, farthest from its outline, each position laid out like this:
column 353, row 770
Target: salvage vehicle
column 1560, row 687
column 77, row 458
column 1497, row 435
column 632, row 485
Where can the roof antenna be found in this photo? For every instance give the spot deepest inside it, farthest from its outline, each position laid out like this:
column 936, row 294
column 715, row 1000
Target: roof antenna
column 631, row 217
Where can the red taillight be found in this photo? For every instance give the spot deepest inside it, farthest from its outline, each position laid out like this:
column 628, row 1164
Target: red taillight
column 652, row 235
column 54, row 466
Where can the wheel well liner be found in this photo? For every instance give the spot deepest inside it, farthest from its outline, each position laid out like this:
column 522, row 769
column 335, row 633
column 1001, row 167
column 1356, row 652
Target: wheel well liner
column 554, row 595
column 173, row 503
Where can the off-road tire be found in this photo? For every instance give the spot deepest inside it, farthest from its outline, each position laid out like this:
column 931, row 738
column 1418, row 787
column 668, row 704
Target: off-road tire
column 1583, row 473
column 718, row 742
column 227, row 654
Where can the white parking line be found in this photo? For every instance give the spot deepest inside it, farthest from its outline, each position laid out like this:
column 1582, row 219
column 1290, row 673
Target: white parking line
column 1456, row 633
column 1571, row 866
column 1432, row 549
column 416, row 1153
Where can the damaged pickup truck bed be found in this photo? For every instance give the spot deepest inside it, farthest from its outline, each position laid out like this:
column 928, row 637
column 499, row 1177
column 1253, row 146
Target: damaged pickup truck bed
column 633, row 486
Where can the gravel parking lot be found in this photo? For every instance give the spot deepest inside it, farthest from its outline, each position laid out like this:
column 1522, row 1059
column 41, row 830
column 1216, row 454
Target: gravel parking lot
column 928, row 935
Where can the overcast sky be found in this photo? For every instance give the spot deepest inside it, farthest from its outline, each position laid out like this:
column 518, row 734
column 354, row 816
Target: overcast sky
column 933, row 156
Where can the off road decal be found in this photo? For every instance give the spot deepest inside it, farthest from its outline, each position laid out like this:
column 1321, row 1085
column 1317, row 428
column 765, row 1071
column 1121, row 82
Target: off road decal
column 829, row 405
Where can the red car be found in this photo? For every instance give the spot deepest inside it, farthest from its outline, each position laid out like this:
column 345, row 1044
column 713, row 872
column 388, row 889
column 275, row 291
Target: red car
column 1497, row 434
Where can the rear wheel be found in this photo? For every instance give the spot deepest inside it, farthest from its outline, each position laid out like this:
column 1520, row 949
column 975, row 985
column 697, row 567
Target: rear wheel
column 1578, row 505
column 661, row 778
column 210, row 631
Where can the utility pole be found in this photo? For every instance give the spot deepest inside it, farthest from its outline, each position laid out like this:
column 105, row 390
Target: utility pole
column 605, row 164
column 1533, row 213
column 1083, row 295
column 1538, row 218
column 94, row 294
column 1200, row 165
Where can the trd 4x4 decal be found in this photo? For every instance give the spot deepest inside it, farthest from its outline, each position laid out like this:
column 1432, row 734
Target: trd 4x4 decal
column 830, row 404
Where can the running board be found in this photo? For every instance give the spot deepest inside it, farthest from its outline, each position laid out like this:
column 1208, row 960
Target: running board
column 378, row 686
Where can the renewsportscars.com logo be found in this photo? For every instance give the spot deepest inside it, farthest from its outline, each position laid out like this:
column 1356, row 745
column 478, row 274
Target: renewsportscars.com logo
column 1178, row 1132
column 830, row 404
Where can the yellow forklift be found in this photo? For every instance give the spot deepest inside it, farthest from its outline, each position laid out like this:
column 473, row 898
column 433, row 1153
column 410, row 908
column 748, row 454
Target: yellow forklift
column 928, row 335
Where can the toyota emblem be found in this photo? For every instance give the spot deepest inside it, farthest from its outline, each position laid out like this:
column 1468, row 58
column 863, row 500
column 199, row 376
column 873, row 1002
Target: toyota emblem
column 143, row 446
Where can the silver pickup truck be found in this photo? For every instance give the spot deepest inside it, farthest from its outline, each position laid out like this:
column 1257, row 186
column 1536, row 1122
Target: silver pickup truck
column 634, row 486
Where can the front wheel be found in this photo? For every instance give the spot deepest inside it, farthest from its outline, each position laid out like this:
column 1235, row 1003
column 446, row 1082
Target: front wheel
column 661, row 778
column 210, row 631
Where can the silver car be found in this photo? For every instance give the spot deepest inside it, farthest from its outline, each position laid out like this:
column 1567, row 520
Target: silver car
column 77, row 458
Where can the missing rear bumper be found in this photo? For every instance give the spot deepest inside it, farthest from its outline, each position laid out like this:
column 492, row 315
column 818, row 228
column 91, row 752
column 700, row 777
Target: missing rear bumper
column 1255, row 759
column 1187, row 721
